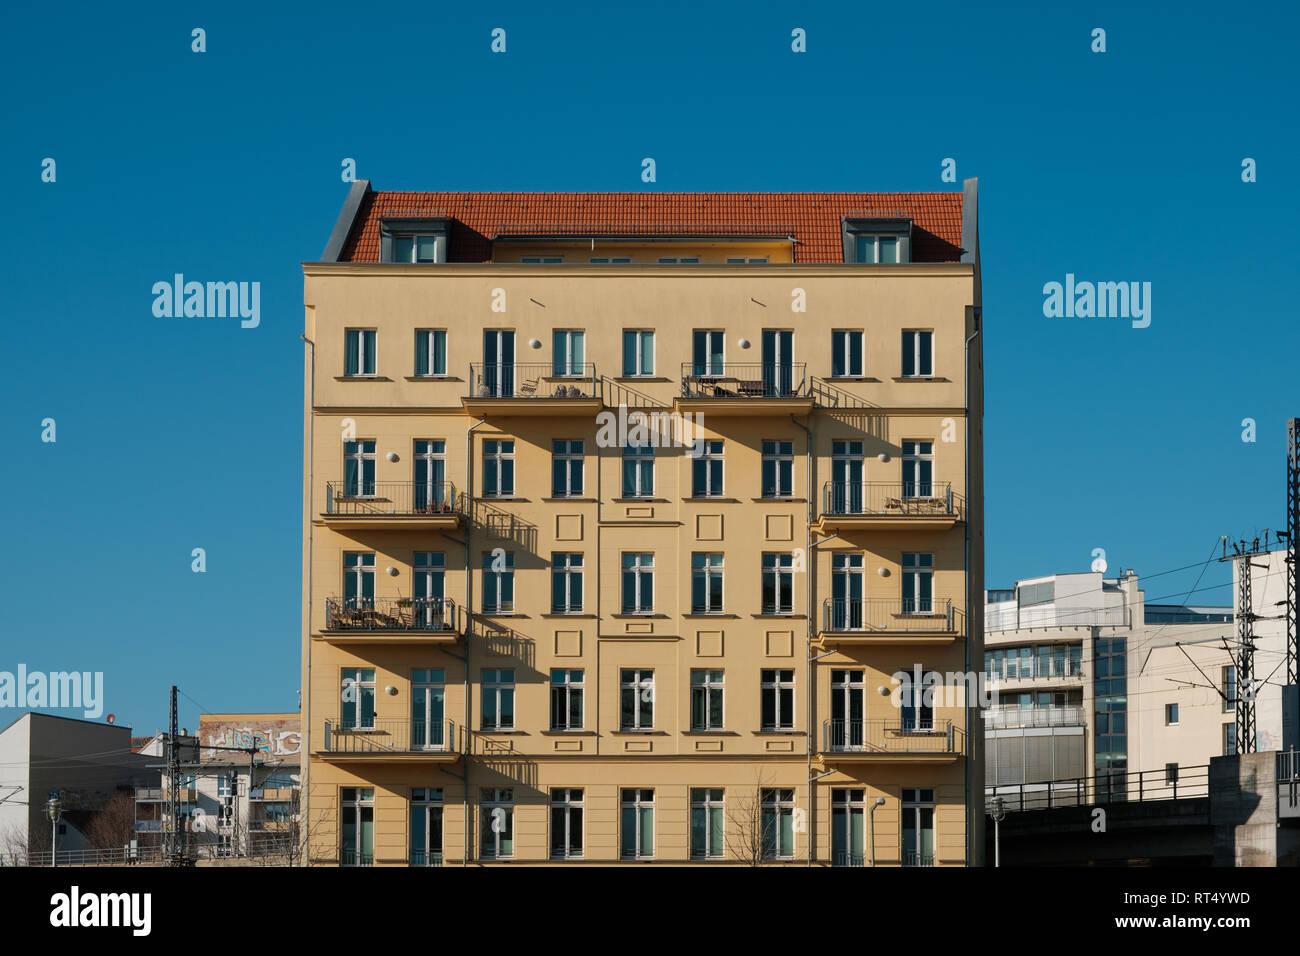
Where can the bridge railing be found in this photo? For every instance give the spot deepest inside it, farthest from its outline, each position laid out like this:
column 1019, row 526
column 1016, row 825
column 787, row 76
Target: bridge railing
column 1144, row 786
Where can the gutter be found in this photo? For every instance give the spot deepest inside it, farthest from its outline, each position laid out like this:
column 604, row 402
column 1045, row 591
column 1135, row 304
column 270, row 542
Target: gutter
column 469, row 617
column 808, row 650
column 304, row 777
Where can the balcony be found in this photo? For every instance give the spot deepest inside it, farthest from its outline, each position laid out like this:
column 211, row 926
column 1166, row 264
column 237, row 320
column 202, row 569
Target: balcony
column 754, row 388
column 883, row 505
column 1039, row 680
column 426, row 858
column 913, row 858
column 881, row 621
column 1013, row 618
column 356, row 858
column 425, row 506
column 402, row 740
column 996, row 718
column 390, row 621
column 533, row 389
column 890, row 741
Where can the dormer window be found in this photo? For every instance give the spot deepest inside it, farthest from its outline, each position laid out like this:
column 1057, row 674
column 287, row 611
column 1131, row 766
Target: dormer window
column 877, row 241
column 413, row 240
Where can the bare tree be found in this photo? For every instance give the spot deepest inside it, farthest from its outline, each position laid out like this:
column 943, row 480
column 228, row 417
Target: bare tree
column 113, row 825
column 749, row 839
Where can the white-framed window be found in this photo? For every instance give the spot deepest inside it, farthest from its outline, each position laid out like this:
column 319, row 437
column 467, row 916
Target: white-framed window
column 707, row 571
column 428, row 708
column 566, row 699
column 637, row 812
column 638, row 582
column 848, row 698
column 778, row 583
column 778, row 823
column 358, row 698
column 708, row 350
column 708, row 820
column 498, row 582
column 846, row 353
column 638, row 352
column 432, row 492
column 778, row 469
column 636, row 699
column 357, row 826
column 918, row 827
column 359, row 469
column 566, row 823
column 566, row 469
column 918, row 583
column 918, row 469
column 638, row 471
column 1171, row 715
column 706, row 469
column 568, row 352
column 611, row 260
column 707, row 711
column 498, row 468
column 542, row 260
column 746, row 260
column 878, row 248
column 426, row 826
column 415, row 248
column 848, row 587
column 359, row 580
column 566, row 582
column 359, row 352
column 848, row 814
column 679, row 260
column 430, row 352
column 497, row 823
column 777, row 700
column 918, row 353
column 498, row 698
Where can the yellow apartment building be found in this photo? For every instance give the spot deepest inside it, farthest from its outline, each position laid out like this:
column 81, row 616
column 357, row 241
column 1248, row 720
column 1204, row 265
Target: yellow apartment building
column 623, row 512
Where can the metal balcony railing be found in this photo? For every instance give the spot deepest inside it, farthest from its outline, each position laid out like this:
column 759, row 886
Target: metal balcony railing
column 848, row 858
column 915, row 858
column 533, row 380
column 426, row 858
column 390, row 614
column 356, row 858
column 1142, row 786
column 891, row 499
column 999, row 717
column 885, row 616
column 1013, row 618
column 745, row 380
column 897, row 736
column 400, row 499
column 389, row 736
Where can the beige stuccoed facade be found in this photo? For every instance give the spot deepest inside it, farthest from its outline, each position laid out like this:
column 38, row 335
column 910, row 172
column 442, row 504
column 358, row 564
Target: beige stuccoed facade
column 440, row 704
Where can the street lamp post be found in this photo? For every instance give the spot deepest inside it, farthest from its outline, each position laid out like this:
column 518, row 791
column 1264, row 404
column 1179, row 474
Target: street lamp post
column 55, row 810
column 997, row 809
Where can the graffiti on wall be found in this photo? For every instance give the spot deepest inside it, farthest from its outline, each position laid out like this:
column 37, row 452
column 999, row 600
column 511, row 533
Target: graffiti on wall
column 274, row 739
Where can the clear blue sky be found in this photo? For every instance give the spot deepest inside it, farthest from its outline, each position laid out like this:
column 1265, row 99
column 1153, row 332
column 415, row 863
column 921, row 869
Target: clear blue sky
column 182, row 433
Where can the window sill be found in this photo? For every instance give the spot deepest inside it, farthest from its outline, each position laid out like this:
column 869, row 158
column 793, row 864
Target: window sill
column 501, row 614
column 710, row 499
column 641, row 501
column 505, row 733
column 781, row 499
column 362, row 378
column 641, row 378
column 920, row 378
column 709, row 733
column 504, row 499
column 638, row 733
column 784, row 616
column 568, row 733
column 851, row 378
column 777, row 733
column 711, row 614
column 575, row 499
column 434, row 378
column 568, row 615
column 637, row 616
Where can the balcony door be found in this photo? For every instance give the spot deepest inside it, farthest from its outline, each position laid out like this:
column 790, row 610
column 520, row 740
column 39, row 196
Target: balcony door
column 848, row 810
column 778, row 363
column 847, row 688
column 708, row 352
column 846, row 477
column 847, row 587
column 430, row 476
column 499, row 362
column 427, row 706
column 429, row 572
column 426, row 827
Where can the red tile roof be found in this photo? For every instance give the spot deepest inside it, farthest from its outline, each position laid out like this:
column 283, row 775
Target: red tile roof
column 812, row 218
